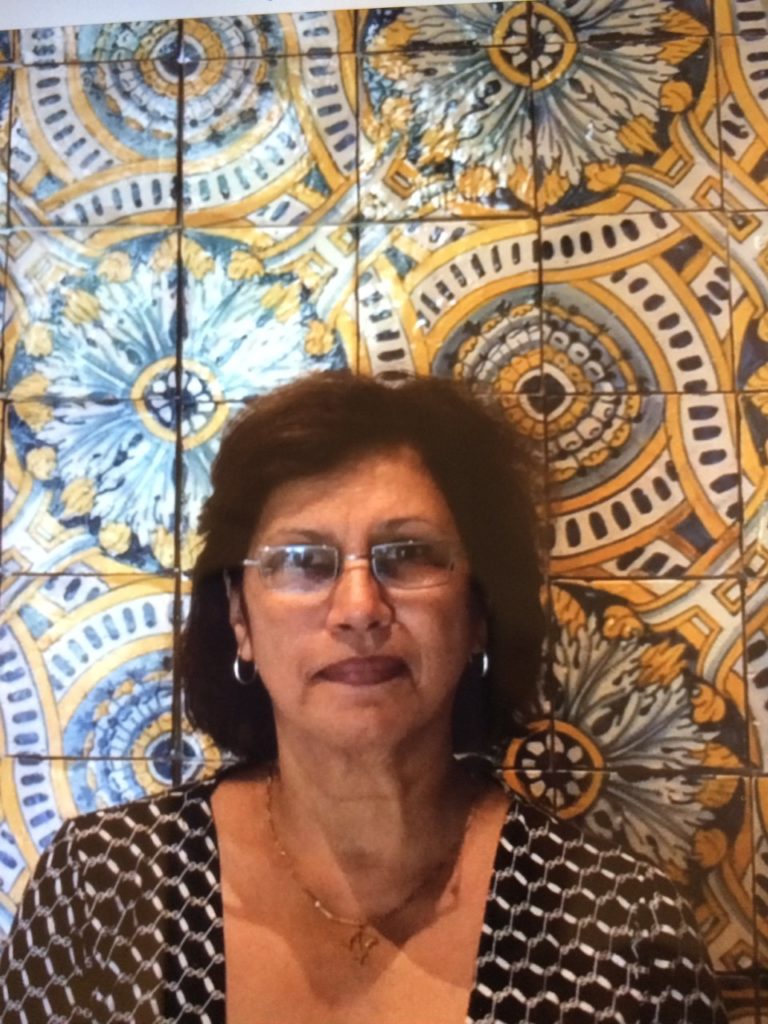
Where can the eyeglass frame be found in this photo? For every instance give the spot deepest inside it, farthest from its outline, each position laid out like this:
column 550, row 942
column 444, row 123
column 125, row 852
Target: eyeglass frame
column 454, row 551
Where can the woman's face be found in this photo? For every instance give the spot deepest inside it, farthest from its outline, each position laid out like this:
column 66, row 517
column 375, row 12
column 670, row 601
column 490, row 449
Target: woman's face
column 360, row 662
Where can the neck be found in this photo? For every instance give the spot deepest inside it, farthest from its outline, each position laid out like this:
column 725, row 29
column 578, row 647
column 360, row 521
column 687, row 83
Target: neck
column 367, row 804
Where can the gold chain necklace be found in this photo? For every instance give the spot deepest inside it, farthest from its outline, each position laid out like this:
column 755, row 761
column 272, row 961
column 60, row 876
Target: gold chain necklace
column 363, row 939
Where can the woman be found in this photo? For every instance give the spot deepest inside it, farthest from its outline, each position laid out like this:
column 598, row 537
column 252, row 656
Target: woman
column 365, row 608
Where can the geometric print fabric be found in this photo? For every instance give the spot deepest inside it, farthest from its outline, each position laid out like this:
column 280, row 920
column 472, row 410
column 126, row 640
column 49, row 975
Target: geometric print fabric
column 123, row 923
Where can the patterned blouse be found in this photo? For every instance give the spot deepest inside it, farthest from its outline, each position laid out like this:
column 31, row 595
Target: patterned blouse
column 122, row 922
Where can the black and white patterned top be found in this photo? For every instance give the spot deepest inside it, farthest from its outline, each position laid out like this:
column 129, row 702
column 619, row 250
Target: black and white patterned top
column 123, row 922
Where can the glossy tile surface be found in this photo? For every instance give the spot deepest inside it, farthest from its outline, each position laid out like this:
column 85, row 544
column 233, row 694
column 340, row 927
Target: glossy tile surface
column 565, row 202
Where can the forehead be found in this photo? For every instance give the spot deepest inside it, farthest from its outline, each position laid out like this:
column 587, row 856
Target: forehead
column 376, row 489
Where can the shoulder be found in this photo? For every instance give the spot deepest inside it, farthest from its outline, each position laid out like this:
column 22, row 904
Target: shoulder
column 557, row 858
column 151, row 822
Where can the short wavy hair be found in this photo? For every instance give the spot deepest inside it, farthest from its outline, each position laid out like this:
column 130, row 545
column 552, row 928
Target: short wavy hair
column 316, row 424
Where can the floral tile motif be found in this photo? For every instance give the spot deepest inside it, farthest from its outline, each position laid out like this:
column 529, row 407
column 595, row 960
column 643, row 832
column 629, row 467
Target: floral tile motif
column 38, row 794
column 259, row 35
column 270, row 140
column 95, row 143
column 423, row 152
column 264, row 306
column 659, row 143
column 89, row 313
column 482, row 24
column 116, row 41
column 644, row 676
column 742, row 71
column 433, row 144
column 90, row 480
column 456, row 299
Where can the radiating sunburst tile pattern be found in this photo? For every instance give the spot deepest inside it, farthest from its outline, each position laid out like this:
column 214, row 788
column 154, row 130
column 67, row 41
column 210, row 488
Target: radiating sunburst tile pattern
column 566, row 202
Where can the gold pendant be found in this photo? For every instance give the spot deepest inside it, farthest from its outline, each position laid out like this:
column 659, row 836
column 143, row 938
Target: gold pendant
column 361, row 944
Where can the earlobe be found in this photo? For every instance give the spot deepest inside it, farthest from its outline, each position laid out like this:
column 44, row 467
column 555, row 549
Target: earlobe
column 239, row 623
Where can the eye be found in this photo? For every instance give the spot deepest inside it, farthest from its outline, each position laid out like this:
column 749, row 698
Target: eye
column 298, row 566
column 413, row 563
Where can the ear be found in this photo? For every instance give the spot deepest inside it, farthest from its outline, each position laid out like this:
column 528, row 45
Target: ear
column 238, row 620
column 479, row 633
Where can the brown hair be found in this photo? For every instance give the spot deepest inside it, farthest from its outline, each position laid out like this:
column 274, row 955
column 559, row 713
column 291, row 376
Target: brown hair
column 316, row 424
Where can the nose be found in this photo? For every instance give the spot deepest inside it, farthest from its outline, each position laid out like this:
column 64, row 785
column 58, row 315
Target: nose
column 358, row 600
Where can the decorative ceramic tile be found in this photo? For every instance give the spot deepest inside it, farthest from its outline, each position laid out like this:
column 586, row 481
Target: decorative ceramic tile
column 657, row 140
column 746, row 17
column 260, row 35
column 645, row 676
column 761, row 874
column 748, row 260
column 92, row 315
column 116, row 41
column 87, row 665
column 38, row 794
column 263, row 307
column 645, row 485
column 489, row 24
column 739, row 993
column 756, row 658
column 6, row 46
column 443, row 134
column 646, row 295
column 743, row 68
column 90, row 486
column 6, row 91
column 754, row 461
column 95, row 143
column 457, row 299
column 270, row 140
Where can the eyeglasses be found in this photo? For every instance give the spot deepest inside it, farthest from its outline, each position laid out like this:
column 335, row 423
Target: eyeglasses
column 314, row 568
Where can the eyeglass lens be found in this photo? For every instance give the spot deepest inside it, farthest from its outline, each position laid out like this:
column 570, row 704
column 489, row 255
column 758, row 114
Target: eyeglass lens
column 313, row 567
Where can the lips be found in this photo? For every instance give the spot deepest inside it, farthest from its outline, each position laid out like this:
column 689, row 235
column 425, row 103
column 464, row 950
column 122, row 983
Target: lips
column 363, row 671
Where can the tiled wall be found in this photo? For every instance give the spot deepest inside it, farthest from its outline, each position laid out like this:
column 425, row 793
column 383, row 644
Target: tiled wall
column 567, row 200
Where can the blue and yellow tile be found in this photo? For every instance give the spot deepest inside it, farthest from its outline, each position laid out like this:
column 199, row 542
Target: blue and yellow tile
column 761, row 875
column 428, row 151
column 646, row 294
column 748, row 263
column 91, row 314
column 742, row 17
column 742, row 70
column 95, row 143
column 7, row 46
column 647, row 675
column 87, row 665
column 6, row 91
column 114, row 41
column 90, row 486
column 454, row 299
column 268, row 35
column 264, row 306
column 756, row 662
column 270, row 141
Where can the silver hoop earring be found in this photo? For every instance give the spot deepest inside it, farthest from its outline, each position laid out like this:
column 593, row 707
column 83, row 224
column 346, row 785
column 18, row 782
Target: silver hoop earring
column 244, row 680
column 485, row 664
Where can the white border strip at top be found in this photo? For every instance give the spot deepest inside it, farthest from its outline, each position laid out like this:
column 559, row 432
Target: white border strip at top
column 54, row 13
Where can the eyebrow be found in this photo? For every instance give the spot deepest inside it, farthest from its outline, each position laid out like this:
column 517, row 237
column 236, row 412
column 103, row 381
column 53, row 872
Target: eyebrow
column 317, row 537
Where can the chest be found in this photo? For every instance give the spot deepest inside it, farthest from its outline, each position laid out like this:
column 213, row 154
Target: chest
column 301, row 968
